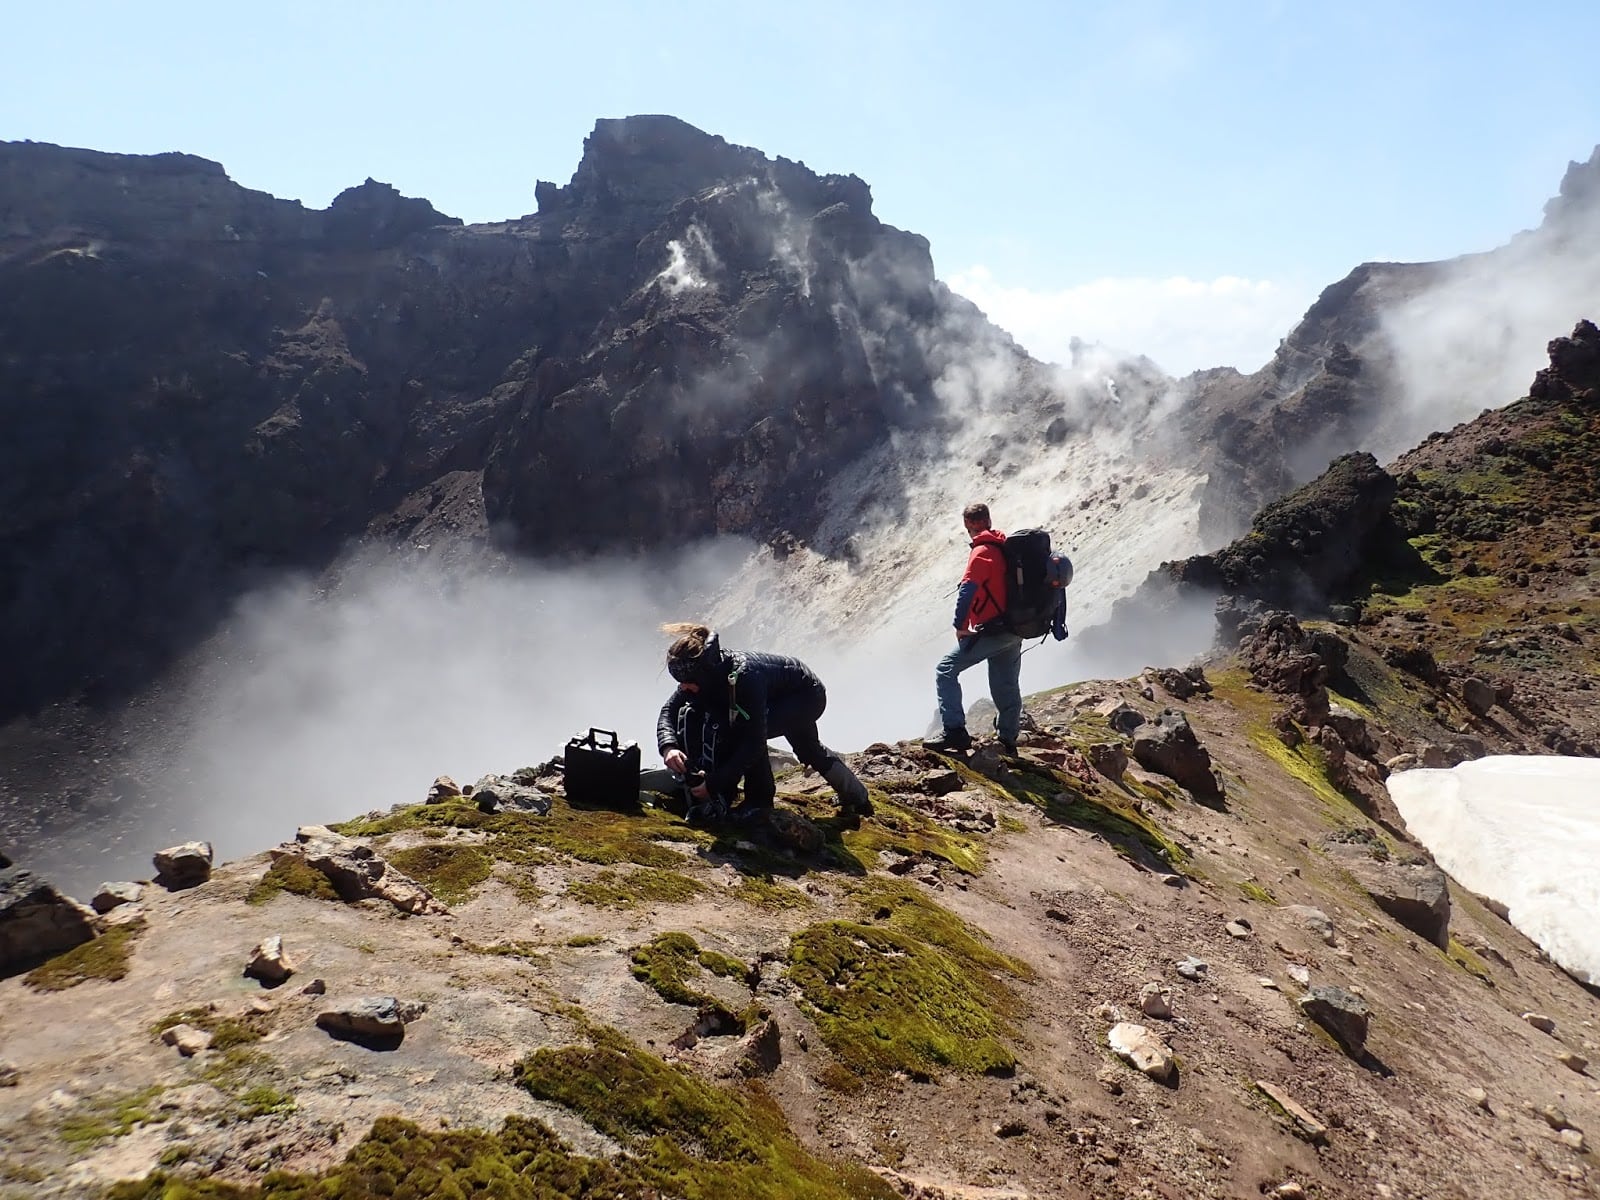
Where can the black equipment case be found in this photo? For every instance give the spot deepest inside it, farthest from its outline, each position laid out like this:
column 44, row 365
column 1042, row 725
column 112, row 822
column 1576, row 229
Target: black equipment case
column 601, row 773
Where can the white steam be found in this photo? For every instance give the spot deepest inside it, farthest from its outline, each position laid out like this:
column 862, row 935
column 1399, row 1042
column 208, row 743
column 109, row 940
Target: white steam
column 1475, row 339
column 691, row 261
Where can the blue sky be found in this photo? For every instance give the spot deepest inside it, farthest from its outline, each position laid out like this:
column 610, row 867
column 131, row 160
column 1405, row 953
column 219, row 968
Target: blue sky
column 1177, row 179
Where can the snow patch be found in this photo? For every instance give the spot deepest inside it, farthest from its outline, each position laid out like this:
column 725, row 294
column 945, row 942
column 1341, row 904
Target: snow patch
column 1524, row 831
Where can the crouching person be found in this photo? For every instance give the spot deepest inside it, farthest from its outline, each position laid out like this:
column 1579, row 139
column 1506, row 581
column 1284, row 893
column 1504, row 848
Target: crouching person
column 714, row 728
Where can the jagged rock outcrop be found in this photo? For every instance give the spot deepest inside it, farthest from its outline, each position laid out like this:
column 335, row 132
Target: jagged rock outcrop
column 206, row 382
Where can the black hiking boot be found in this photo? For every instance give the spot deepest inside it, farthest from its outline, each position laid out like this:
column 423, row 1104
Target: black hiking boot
column 1009, row 748
column 954, row 740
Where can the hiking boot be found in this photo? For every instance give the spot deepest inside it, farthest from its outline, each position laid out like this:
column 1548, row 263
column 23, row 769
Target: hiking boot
column 747, row 813
column 852, row 793
column 954, row 740
column 1008, row 747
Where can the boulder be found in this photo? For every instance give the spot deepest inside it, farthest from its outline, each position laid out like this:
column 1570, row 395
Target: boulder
column 1478, row 695
column 375, row 1019
column 1352, row 729
column 357, row 873
column 1109, row 758
column 1155, row 1001
column 444, row 788
column 114, row 895
column 188, row 1040
column 1140, row 1048
column 1170, row 748
column 37, row 922
column 499, row 792
column 184, row 866
column 1415, row 894
column 1122, row 717
column 1341, row 1013
column 269, row 963
column 1313, row 919
column 795, row 830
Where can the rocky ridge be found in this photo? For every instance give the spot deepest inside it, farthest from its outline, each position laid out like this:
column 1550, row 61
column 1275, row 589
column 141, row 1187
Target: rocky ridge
column 1180, row 945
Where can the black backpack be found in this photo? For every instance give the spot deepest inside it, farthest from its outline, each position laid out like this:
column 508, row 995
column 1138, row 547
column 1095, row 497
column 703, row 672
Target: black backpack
column 1034, row 578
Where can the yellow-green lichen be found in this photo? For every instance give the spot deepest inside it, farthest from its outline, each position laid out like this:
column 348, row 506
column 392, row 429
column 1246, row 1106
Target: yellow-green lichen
column 1067, row 800
column 1254, row 891
column 1469, row 962
column 105, row 957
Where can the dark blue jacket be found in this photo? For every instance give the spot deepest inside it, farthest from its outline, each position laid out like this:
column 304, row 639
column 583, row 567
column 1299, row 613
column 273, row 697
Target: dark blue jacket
column 733, row 715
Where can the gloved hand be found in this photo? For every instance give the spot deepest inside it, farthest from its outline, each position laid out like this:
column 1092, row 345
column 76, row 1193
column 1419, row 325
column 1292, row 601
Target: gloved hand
column 1059, row 631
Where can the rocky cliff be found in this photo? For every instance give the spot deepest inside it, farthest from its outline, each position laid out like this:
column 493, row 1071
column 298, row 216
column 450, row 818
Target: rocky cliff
column 203, row 383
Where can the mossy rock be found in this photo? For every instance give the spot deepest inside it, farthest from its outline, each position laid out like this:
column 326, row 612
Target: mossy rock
column 686, row 1137
column 105, row 958
column 1067, row 800
column 646, row 885
column 598, row 836
column 294, row 875
column 914, row 991
column 450, row 870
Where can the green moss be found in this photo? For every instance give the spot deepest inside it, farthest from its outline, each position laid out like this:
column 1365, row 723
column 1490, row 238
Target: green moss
column 597, row 836
column 724, row 965
column 666, row 964
column 895, row 828
column 450, row 870
column 226, row 1032
column 1469, row 962
column 586, row 939
column 172, row 1156
column 1067, row 800
column 760, row 891
column 295, row 875
column 646, row 885
column 914, row 991
column 263, row 1101
column 111, row 1117
column 684, row 1136
column 105, row 957
column 670, row 962
column 1254, row 891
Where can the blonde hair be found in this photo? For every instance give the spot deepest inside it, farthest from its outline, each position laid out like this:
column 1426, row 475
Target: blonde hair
column 691, row 640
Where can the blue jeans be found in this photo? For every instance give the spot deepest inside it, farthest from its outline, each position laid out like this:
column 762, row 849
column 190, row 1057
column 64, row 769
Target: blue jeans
column 1003, row 653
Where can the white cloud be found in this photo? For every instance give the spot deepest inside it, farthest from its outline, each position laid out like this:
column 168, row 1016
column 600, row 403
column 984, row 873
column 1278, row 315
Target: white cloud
column 1182, row 324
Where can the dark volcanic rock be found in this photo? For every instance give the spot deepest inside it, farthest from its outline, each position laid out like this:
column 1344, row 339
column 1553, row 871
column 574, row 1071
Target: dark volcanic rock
column 202, row 384
column 1169, row 747
column 1341, row 1013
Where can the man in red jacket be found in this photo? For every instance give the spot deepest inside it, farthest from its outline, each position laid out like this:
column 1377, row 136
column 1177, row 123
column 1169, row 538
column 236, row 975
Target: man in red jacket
column 981, row 636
